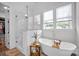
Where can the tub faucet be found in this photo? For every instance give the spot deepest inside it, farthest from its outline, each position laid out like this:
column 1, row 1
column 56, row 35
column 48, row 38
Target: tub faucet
column 57, row 43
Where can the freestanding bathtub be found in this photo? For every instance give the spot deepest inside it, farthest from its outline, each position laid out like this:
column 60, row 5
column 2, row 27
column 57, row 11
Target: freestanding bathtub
column 66, row 49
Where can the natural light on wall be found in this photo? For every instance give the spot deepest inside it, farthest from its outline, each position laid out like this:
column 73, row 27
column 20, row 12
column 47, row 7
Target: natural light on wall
column 63, row 18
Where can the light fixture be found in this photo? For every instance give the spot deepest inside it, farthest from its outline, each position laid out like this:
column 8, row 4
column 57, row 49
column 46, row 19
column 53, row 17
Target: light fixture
column 26, row 15
column 6, row 8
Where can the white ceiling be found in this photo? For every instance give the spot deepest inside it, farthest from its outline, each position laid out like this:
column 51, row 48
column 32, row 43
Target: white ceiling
column 18, row 6
column 34, row 7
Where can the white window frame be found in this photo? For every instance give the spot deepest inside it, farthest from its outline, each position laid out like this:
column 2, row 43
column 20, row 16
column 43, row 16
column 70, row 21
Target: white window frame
column 66, row 17
column 55, row 19
column 49, row 19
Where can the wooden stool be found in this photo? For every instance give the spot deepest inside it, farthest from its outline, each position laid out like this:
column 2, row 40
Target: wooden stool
column 35, row 50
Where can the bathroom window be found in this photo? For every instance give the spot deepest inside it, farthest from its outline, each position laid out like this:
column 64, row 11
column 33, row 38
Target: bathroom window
column 64, row 17
column 48, row 20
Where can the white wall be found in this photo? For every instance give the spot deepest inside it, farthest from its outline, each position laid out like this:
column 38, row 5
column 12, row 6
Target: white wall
column 7, row 30
column 48, row 34
column 6, row 16
column 2, row 14
column 12, row 28
column 21, row 27
column 63, row 35
column 77, row 23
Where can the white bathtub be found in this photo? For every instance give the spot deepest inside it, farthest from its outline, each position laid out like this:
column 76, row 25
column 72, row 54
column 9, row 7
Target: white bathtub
column 66, row 49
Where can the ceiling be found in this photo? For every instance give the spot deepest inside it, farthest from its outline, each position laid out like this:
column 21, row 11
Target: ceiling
column 34, row 7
